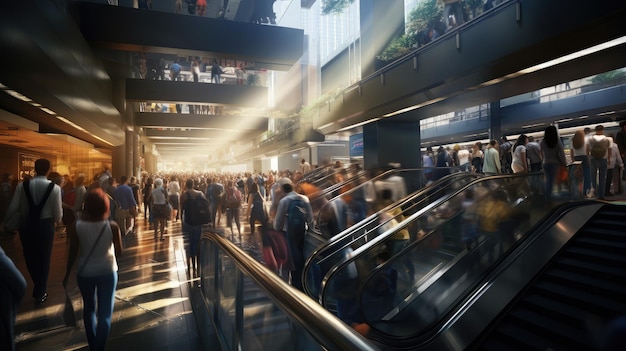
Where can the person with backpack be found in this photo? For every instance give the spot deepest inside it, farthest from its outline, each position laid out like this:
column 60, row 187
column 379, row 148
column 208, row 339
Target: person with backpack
column 506, row 155
column 598, row 148
column 232, row 198
column 38, row 201
column 195, row 212
column 293, row 217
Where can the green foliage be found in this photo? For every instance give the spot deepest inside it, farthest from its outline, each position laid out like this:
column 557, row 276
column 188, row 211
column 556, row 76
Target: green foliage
column 609, row 76
column 398, row 47
column 335, row 6
column 424, row 16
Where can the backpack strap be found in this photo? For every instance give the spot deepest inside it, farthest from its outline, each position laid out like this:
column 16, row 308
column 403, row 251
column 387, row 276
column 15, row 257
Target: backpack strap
column 31, row 201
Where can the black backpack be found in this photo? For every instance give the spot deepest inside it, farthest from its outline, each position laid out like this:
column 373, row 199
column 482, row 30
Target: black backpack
column 296, row 219
column 197, row 210
column 216, row 191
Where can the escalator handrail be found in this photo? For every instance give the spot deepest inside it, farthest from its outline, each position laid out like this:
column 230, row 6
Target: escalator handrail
column 337, row 240
column 350, row 231
column 334, row 187
column 384, row 175
column 325, row 327
column 314, row 173
column 454, row 309
column 404, row 224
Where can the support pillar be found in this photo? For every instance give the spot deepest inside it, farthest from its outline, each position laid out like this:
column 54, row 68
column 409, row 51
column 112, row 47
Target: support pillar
column 495, row 125
column 386, row 142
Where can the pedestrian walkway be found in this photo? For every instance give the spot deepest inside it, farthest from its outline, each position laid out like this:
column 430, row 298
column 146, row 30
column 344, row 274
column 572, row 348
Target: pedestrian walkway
column 152, row 307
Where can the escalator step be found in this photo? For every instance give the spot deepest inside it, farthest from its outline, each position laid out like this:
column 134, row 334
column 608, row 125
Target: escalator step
column 514, row 338
column 600, row 243
column 587, row 255
column 600, row 286
column 551, row 329
column 573, row 296
column 591, row 268
column 555, row 308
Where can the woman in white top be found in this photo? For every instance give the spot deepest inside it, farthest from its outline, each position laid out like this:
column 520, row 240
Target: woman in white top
column 519, row 163
column 97, row 242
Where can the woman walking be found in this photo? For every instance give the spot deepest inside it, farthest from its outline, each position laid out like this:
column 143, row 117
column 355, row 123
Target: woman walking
column 553, row 159
column 255, row 210
column 520, row 163
column 159, row 207
column 97, row 242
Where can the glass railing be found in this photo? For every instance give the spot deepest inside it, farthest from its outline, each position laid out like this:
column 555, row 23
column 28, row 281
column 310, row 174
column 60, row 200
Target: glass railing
column 333, row 251
column 251, row 308
column 457, row 241
column 361, row 195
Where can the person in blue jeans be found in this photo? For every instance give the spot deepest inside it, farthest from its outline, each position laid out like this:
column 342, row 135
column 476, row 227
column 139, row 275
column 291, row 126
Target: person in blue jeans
column 96, row 242
column 12, row 289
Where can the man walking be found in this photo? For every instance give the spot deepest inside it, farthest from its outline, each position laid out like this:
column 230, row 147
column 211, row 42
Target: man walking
column 293, row 215
column 128, row 205
column 599, row 149
column 191, row 228
column 39, row 203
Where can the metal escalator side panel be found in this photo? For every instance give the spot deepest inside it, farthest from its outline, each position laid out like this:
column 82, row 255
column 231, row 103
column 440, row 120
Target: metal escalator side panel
column 503, row 284
column 438, row 278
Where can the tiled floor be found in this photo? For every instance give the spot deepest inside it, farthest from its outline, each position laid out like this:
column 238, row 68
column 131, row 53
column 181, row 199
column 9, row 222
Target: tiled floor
column 152, row 308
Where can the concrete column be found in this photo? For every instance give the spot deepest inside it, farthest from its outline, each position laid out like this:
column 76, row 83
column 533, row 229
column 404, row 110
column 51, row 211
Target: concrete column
column 495, row 125
column 386, row 142
column 257, row 165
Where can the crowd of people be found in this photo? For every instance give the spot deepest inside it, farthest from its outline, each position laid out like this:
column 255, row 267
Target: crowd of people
column 596, row 160
column 97, row 213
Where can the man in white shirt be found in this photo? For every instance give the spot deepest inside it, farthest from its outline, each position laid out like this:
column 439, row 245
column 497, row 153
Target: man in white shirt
column 37, row 235
column 305, row 167
column 599, row 163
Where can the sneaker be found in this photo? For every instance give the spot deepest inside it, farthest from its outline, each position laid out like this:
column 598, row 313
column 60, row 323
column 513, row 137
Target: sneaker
column 591, row 193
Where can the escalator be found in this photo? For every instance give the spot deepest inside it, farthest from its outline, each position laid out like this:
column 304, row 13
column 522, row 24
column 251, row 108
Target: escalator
column 436, row 270
column 559, row 287
column 323, row 255
column 569, row 304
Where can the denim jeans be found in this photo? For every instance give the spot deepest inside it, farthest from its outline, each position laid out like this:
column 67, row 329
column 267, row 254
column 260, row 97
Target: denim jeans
column 192, row 233
column 97, row 323
column 598, row 175
column 586, row 173
column 550, row 170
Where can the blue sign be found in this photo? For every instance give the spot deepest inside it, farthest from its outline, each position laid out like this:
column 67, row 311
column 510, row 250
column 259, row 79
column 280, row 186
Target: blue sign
column 356, row 145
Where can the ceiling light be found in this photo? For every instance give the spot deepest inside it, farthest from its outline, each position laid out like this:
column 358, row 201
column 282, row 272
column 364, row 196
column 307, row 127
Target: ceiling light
column 17, row 95
column 48, row 111
column 575, row 55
